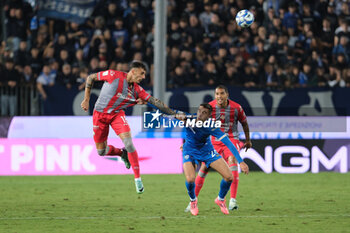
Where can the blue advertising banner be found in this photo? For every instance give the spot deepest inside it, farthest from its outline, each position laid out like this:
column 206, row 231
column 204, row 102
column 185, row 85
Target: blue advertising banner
column 296, row 102
column 72, row 10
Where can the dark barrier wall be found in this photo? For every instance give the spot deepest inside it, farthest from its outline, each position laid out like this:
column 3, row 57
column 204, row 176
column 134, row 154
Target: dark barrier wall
column 296, row 102
column 299, row 156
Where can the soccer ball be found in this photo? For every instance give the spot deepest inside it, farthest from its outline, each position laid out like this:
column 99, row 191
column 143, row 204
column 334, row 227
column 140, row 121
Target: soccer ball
column 244, row 18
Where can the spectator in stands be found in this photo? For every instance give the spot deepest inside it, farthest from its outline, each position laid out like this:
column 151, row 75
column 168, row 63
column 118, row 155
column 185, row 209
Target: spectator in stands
column 291, row 18
column 342, row 30
column 83, row 73
column 15, row 28
column 35, row 60
column 206, row 16
column 79, row 58
column 112, row 13
column 190, row 9
column 10, row 79
column 210, row 76
column 334, row 77
column 195, row 30
column 83, row 44
column 64, row 57
column 118, row 32
column 174, row 33
column 342, row 47
column 61, row 45
column 65, row 77
column 45, row 79
column 28, row 77
column 178, row 78
column 215, row 28
column 292, row 77
column 305, row 75
column 74, row 33
column 327, row 36
column 21, row 55
column 319, row 79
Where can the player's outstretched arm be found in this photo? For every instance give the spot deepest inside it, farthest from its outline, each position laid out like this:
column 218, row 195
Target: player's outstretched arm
column 161, row 105
column 88, row 85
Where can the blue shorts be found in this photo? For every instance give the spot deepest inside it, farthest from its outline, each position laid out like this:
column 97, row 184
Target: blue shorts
column 195, row 157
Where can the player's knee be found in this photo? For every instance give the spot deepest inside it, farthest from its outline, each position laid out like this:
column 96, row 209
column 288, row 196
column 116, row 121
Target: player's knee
column 101, row 152
column 128, row 144
column 190, row 179
column 228, row 178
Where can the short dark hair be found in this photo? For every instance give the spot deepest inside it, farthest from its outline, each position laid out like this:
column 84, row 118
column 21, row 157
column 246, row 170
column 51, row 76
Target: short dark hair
column 207, row 106
column 222, row 87
column 138, row 64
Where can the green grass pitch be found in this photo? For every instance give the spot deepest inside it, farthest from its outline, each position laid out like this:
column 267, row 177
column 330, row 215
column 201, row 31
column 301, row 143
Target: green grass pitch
column 268, row 203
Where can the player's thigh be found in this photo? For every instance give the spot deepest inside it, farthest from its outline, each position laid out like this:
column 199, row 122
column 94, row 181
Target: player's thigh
column 190, row 171
column 228, row 156
column 100, row 129
column 221, row 166
column 120, row 125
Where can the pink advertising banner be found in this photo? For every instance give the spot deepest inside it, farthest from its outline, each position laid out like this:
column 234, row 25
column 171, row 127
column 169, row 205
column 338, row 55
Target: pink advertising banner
column 79, row 157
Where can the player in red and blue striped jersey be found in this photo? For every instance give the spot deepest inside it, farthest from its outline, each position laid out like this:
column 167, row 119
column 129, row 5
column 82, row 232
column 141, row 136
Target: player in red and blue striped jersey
column 119, row 91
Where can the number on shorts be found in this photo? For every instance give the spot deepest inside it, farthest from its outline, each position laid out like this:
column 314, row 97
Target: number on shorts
column 124, row 119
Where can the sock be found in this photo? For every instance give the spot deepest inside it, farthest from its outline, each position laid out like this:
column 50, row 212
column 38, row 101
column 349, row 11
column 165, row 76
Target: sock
column 190, row 189
column 224, row 187
column 134, row 161
column 200, row 181
column 234, row 185
column 111, row 150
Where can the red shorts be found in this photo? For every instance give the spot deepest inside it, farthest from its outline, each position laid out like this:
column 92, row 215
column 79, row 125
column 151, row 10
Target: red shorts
column 223, row 150
column 101, row 122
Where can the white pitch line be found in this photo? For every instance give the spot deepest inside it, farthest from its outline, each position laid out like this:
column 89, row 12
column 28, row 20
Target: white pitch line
column 169, row 217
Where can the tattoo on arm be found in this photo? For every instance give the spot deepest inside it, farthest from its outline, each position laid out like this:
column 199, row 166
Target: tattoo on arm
column 90, row 81
column 162, row 106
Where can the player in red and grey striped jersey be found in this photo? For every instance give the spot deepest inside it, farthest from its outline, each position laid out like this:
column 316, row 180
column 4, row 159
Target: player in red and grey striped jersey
column 119, row 91
column 230, row 113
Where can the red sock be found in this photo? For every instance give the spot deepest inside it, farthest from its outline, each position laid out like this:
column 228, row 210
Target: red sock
column 113, row 151
column 134, row 161
column 199, row 182
column 234, row 185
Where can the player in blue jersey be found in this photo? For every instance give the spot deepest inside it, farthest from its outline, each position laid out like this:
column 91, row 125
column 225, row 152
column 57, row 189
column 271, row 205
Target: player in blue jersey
column 198, row 148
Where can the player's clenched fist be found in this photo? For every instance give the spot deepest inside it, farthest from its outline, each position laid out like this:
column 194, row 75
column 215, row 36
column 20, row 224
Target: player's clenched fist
column 244, row 167
column 85, row 105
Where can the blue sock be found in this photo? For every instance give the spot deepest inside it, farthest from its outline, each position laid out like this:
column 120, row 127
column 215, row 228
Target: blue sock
column 190, row 190
column 224, row 187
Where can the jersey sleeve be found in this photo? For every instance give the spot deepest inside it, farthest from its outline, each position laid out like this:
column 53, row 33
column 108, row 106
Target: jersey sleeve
column 107, row 75
column 216, row 132
column 241, row 115
column 141, row 93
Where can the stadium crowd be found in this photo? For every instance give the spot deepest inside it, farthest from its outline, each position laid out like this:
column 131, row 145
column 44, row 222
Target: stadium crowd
column 290, row 44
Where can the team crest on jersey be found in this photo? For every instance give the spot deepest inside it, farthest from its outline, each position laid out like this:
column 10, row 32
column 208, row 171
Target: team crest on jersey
column 187, row 157
column 112, row 73
column 222, row 117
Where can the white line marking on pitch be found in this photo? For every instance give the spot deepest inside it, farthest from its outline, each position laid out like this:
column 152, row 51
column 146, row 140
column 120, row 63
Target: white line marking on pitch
column 168, row 217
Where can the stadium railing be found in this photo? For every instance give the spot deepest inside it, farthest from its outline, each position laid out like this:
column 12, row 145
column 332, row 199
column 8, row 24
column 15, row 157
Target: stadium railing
column 24, row 99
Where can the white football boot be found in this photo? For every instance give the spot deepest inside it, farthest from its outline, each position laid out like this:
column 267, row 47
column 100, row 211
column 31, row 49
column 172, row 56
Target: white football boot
column 233, row 204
